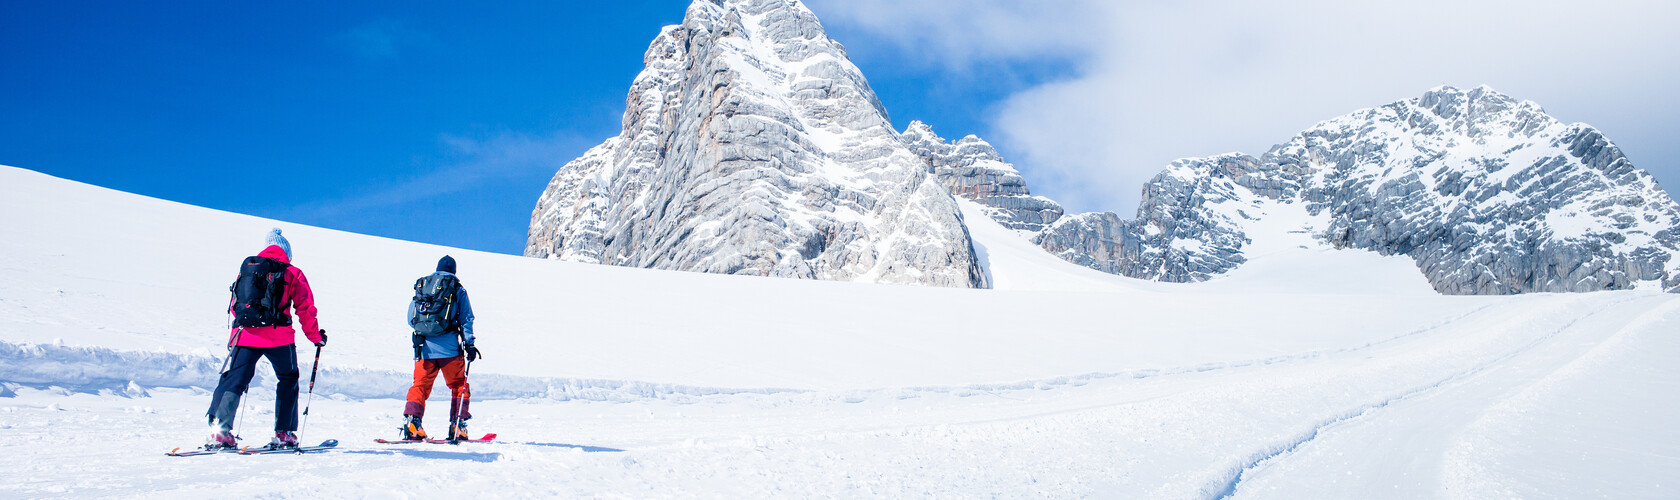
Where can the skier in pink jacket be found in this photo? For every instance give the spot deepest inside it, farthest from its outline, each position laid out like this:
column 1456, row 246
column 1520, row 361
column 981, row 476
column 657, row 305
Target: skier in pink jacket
column 266, row 294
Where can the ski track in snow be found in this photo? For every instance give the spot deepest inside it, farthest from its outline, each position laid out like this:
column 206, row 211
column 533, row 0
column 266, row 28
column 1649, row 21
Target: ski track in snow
column 1282, row 450
column 1481, row 465
column 1066, row 383
column 1018, row 410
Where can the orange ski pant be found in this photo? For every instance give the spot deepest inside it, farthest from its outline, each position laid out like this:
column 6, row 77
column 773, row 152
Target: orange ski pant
column 426, row 371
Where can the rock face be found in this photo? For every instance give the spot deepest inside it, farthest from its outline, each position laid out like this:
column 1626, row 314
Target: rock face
column 972, row 168
column 752, row 145
column 1489, row 194
column 1180, row 234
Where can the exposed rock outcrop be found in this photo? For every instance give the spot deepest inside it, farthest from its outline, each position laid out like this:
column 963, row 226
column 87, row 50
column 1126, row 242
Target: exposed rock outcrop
column 1178, row 235
column 972, row 168
column 1489, row 194
column 751, row 145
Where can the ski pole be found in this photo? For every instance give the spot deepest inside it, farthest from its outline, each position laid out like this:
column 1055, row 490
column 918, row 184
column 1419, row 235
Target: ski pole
column 228, row 361
column 466, row 396
column 240, row 428
column 313, row 369
column 227, row 364
column 455, row 417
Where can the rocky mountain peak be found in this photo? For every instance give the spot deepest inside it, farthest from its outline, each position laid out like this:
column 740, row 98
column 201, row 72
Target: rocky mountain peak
column 751, row 145
column 1478, row 112
column 973, row 169
column 1486, row 192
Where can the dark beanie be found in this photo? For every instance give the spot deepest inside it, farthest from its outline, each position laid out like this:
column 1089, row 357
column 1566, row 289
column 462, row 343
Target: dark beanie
column 447, row 264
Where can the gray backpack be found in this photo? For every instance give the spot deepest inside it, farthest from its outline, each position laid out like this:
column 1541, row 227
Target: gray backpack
column 432, row 312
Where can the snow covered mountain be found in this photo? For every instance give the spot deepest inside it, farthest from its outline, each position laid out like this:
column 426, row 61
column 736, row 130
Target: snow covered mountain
column 1488, row 194
column 752, row 145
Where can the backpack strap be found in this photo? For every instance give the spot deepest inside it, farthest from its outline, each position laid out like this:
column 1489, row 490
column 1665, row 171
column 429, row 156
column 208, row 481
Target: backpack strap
column 282, row 300
column 455, row 309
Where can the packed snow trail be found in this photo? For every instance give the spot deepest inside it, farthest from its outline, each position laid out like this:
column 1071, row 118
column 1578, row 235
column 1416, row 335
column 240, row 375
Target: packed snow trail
column 1600, row 426
column 1404, row 442
column 1173, row 435
column 633, row 383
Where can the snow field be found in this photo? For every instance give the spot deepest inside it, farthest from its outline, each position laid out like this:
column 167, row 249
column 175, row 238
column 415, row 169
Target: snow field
column 1185, row 434
column 1296, row 376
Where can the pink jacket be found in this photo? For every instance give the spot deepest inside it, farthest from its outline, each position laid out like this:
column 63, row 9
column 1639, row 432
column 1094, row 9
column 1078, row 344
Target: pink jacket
column 303, row 305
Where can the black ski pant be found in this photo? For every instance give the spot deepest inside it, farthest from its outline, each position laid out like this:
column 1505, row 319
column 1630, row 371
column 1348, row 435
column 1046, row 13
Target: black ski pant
column 224, row 403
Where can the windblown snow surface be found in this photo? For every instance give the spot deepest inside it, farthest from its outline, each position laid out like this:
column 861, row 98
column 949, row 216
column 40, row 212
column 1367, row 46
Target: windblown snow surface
column 1306, row 373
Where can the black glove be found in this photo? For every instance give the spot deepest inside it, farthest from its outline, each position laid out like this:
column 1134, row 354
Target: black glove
column 323, row 342
column 472, row 353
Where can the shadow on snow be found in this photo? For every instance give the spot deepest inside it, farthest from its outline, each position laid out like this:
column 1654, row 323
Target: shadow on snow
column 434, row 454
column 585, row 448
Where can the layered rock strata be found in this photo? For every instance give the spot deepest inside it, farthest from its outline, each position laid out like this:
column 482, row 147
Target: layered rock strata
column 972, row 168
column 1179, row 235
column 752, row 145
column 1488, row 194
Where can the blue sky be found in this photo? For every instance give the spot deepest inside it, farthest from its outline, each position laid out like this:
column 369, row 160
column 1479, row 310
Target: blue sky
column 442, row 123
column 429, row 121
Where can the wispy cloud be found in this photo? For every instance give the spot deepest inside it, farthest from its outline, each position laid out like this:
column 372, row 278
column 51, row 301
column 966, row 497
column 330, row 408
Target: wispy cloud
column 467, row 163
column 1158, row 81
column 957, row 33
column 380, row 38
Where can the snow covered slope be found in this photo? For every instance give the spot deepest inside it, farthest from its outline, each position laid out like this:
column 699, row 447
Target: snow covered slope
column 145, row 274
column 613, row 381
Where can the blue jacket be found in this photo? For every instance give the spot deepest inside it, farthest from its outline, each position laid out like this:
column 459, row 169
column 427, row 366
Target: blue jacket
column 446, row 345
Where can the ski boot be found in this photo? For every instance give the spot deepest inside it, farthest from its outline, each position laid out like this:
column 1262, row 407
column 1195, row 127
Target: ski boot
column 458, row 431
column 283, row 439
column 411, row 430
column 220, row 437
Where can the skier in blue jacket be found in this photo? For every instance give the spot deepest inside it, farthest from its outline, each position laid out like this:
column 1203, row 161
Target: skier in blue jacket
column 442, row 353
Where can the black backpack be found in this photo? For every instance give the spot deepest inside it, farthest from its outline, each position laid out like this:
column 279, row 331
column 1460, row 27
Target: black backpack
column 259, row 295
column 432, row 311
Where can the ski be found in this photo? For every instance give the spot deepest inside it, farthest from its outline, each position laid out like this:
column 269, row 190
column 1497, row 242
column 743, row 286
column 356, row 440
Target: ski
column 399, row 441
column 200, row 451
column 264, row 450
column 487, row 438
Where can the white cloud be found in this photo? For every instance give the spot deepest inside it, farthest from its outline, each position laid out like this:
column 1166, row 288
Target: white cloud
column 1159, row 81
